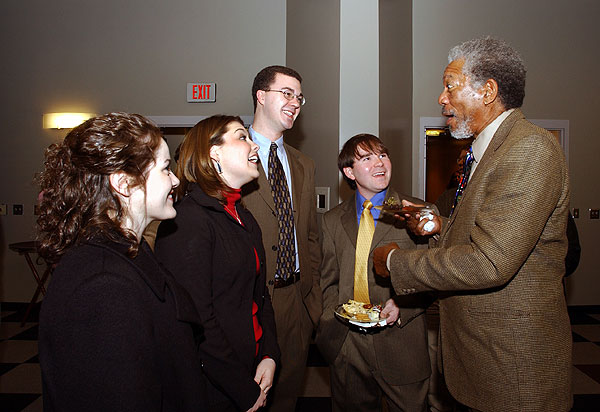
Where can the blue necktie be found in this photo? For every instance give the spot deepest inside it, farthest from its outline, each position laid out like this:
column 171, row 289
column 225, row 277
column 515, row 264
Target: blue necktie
column 464, row 178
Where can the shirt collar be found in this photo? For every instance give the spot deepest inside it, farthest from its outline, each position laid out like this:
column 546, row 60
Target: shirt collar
column 264, row 146
column 262, row 141
column 485, row 137
column 377, row 200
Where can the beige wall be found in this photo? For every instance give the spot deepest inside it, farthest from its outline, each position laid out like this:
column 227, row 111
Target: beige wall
column 558, row 40
column 110, row 55
column 395, row 88
column 100, row 56
column 313, row 44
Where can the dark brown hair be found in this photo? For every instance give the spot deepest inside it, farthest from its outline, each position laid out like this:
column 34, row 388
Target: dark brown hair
column 349, row 152
column 266, row 76
column 77, row 201
column 194, row 164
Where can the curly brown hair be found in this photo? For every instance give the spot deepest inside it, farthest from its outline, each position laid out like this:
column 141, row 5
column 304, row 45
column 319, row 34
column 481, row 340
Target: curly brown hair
column 77, row 200
column 194, row 164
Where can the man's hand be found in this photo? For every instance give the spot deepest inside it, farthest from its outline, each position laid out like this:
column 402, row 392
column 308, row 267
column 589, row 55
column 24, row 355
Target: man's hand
column 390, row 312
column 380, row 255
column 415, row 224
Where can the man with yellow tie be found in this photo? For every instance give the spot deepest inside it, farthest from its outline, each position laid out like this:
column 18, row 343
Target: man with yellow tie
column 368, row 364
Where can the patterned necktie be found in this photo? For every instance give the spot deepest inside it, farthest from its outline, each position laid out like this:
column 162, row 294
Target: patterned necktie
column 366, row 228
column 464, row 178
column 286, row 252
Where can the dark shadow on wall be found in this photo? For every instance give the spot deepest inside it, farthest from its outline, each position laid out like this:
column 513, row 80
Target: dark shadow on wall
column 3, row 248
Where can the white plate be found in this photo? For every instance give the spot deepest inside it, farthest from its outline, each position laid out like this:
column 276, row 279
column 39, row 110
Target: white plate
column 342, row 314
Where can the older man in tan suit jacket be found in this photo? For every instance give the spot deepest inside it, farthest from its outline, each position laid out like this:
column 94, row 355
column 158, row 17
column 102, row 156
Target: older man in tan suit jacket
column 297, row 302
column 504, row 329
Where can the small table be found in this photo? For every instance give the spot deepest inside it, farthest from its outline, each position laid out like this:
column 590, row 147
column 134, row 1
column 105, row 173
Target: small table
column 25, row 248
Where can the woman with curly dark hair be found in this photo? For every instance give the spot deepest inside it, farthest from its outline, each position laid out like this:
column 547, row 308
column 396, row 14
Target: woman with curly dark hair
column 214, row 248
column 116, row 332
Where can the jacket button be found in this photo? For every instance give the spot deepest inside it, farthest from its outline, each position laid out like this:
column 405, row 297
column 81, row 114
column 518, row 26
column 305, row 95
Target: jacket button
column 271, row 282
column 274, row 248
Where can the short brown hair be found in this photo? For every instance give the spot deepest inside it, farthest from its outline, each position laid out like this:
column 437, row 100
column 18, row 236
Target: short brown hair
column 266, row 76
column 349, row 152
column 77, row 200
column 194, row 164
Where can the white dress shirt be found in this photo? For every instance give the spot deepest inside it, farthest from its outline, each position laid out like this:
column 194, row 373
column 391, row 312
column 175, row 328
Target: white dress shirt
column 481, row 143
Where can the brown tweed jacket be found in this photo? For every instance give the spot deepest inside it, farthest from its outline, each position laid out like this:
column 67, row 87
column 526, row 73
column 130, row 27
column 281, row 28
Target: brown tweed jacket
column 504, row 328
column 400, row 351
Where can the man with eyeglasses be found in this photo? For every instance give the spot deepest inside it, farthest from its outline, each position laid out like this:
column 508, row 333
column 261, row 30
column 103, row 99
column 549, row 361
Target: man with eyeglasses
column 282, row 200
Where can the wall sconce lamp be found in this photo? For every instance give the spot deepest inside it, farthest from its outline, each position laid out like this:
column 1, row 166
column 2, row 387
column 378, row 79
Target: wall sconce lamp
column 65, row 120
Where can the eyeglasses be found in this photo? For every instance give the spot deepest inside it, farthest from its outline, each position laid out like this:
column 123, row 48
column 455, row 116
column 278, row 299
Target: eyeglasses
column 289, row 95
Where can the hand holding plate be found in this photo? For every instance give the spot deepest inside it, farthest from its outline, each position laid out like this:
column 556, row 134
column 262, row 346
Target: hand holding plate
column 390, row 312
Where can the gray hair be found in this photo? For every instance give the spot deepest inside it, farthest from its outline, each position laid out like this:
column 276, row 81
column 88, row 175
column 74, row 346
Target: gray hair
column 489, row 58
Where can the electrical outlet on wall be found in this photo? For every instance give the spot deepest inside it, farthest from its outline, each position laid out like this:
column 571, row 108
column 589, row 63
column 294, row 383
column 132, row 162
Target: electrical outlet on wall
column 322, row 199
column 17, row 209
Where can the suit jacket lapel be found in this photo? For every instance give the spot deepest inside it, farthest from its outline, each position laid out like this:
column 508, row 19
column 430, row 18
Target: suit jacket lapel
column 264, row 188
column 349, row 221
column 381, row 229
column 502, row 133
column 297, row 178
column 499, row 138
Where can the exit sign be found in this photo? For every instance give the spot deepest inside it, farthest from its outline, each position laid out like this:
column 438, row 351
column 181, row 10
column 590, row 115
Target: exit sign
column 201, row 92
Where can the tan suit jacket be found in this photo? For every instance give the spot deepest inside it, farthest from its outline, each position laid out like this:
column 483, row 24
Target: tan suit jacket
column 505, row 336
column 258, row 199
column 401, row 351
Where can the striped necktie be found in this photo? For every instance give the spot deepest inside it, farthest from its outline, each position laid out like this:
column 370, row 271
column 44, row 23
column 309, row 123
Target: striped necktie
column 286, row 252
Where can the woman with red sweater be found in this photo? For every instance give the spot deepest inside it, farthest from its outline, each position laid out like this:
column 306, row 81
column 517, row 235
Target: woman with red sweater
column 214, row 249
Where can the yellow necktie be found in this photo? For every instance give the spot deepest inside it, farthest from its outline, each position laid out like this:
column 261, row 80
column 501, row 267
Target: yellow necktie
column 366, row 228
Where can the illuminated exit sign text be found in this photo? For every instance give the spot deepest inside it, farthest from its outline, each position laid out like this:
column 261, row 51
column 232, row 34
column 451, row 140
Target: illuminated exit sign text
column 201, row 92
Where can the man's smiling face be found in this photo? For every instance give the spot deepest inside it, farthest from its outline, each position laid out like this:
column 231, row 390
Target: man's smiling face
column 281, row 112
column 371, row 172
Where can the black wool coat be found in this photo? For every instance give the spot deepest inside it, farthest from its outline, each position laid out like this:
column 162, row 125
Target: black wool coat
column 118, row 334
column 212, row 255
